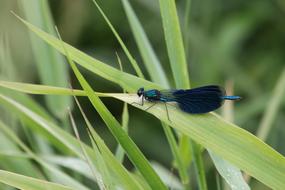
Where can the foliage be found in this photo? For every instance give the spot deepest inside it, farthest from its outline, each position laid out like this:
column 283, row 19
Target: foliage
column 221, row 41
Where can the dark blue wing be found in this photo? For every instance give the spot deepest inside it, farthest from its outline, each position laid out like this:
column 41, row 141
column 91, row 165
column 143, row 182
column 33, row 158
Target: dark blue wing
column 199, row 100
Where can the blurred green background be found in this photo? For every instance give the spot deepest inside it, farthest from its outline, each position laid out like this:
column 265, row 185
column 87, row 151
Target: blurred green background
column 238, row 41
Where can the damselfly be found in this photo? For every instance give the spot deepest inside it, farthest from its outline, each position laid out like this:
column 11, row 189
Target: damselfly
column 195, row 101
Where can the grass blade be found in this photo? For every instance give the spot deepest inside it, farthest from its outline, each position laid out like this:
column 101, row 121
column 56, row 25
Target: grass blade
column 175, row 152
column 72, row 163
column 167, row 176
column 94, row 65
column 131, row 59
column 272, row 108
column 24, row 182
column 186, row 26
column 174, row 43
column 199, row 166
column 40, row 89
column 151, row 61
column 125, row 122
column 230, row 173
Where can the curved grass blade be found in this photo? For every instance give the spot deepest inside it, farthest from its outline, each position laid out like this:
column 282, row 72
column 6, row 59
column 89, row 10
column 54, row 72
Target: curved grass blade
column 72, row 163
column 40, row 89
column 92, row 64
column 24, row 182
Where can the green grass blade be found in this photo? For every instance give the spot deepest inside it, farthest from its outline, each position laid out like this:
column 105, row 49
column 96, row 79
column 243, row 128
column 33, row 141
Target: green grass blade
column 238, row 146
column 24, row 182
column 94, row 65
column 131, row 59
column 72, row 163
column 174, row 42
column 150, row 59
column 186, row 26
column 51, row 67
column 199, row 166
column 175, row 152
column 40, row 89
column 132, row 151
column 125, row 121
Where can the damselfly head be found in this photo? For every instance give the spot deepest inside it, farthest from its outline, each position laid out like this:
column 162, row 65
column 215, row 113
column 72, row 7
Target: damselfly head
column 140, row 92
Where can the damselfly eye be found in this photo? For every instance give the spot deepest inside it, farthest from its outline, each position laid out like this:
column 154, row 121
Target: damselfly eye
column 140, row 92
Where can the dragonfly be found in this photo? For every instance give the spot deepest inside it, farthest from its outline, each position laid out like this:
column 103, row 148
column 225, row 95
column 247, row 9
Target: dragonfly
column 194, row 101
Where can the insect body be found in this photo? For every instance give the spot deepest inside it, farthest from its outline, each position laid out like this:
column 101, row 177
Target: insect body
column 195, row 101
